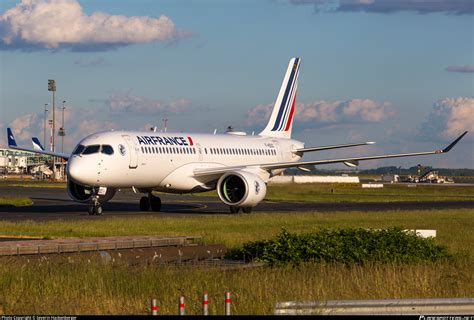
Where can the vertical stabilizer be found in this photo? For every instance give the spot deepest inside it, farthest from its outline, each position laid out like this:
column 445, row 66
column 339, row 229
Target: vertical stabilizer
column 281, row 120
column 11, row 138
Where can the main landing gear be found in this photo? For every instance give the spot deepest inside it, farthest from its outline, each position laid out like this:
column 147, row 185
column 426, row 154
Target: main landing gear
column 234, row 209
column 151, row 201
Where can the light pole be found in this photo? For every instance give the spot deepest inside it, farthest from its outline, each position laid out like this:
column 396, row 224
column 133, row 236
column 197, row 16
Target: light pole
column 52, row 88
column 44, row 126
column 62, row 132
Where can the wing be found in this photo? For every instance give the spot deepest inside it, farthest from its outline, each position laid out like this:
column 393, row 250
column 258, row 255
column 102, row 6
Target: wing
column 284, row 165
column 12, row 145
column 311, row 149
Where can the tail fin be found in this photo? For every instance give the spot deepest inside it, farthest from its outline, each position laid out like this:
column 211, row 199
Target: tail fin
column 281, row 120
column 11, row 139
column 37, row 144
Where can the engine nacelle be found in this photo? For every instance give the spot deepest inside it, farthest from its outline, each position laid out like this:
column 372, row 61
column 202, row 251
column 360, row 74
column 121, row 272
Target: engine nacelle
column 241, row 189
column 82, row 193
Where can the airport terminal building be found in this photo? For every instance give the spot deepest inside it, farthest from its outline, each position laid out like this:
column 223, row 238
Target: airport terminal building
column 23, row 162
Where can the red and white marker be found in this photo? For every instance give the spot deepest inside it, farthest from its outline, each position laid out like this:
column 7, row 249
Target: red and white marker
column 154, row 307
column 227, row 303
column 205, row 304
column 181, row 311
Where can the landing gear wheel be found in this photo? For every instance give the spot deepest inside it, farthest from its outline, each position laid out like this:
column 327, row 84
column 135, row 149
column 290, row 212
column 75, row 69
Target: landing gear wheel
column 234, row 209
column 247, row 209
column 95, row 210
column 144, row 204
column 155, row 203
column 98, row 210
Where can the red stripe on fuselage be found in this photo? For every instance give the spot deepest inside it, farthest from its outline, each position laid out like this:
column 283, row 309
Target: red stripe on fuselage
column 190, row 141
column 290, row 117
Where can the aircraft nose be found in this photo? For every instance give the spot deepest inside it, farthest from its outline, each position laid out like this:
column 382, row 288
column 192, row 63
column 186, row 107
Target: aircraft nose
column 72, row 169
column 78, row 172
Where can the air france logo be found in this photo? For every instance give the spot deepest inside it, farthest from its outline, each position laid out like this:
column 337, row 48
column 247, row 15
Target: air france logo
column 165, row 141
column 121, row 149
column 257, row 187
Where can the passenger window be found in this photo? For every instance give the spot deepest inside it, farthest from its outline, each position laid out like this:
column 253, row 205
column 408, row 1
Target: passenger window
column 78, row 149
column 92, row 149
column 107, row 149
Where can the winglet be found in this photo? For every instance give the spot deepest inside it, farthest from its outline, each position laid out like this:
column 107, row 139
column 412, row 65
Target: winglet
column 11, row 139
column 453, row 143
column 37, row 144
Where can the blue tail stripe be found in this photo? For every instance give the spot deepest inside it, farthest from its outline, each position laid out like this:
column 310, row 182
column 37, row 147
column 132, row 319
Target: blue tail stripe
column 288, row 105
column 285, row 97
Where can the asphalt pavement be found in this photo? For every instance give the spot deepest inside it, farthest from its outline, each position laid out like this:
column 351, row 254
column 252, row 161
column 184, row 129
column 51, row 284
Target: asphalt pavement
column 54, row 203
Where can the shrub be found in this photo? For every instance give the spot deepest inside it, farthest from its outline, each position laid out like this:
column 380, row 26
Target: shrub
column 344, row 245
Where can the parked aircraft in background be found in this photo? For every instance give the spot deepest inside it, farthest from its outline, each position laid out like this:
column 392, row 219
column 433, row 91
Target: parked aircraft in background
column 237, row 165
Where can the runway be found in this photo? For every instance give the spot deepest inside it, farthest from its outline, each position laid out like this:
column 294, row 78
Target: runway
column 54, row 203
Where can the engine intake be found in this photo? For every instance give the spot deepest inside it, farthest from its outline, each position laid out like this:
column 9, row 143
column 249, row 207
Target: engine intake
column 241, row 189
column 82, row 193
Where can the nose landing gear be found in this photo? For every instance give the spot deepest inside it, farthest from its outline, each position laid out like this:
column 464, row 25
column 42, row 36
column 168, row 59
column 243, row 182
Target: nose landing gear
column 96, row 208
column 151, row 201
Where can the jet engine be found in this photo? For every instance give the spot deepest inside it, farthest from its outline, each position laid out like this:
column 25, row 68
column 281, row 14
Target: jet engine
column 82, row 193
column 241, row 189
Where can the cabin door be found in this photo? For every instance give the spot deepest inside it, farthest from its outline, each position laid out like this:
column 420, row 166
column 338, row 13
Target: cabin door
column 133, row 151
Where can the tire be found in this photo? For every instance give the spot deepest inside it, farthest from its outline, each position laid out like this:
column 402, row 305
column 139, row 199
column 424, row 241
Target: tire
column 98, row 210
column 247, row 209
column 155, row 203
column 234, row 209
column 144, row 204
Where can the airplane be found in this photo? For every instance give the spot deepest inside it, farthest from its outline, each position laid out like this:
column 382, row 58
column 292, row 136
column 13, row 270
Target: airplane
column 236, row 164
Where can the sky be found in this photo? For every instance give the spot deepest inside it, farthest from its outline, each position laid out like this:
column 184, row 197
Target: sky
column 400, row 73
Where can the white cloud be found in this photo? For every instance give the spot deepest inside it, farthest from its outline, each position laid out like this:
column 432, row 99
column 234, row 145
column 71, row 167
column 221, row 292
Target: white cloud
column 21, row 125
column 128, row 102
column 79, row 122
column 52, row 24
column 389, row 6
column 449, row 118
column 327, row 112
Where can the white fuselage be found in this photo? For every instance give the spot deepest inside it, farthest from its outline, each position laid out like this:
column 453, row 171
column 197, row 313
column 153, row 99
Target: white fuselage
column 166, row 161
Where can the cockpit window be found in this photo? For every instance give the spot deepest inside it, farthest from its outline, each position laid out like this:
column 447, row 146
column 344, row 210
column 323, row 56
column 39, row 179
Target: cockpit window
column 92, row 149
column 107, row 149
column 78, row 149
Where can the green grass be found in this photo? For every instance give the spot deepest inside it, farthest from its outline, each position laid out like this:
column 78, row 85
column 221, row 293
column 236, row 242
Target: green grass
column 16, row 202
column 58, row 287
column 355, row 193
column 49, row 287
column 352, row 192
column 34, row 184
column 454, row 226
